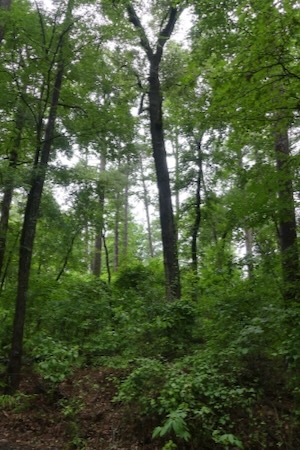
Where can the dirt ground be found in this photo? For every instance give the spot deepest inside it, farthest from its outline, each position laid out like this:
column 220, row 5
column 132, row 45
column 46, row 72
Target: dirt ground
column 80, row 414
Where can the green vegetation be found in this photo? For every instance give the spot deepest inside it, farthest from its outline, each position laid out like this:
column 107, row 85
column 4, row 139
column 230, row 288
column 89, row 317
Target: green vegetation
column 150, row 215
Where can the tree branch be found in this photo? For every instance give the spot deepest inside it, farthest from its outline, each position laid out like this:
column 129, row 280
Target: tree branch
column 165, row 34
column 134, row 19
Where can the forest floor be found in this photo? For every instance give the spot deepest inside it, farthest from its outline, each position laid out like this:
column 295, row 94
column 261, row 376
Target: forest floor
column 79, row 414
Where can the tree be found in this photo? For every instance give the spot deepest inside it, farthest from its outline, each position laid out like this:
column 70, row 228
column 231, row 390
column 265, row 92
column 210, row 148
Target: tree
column 45, row 136
column 258, row 66
column 168, row 228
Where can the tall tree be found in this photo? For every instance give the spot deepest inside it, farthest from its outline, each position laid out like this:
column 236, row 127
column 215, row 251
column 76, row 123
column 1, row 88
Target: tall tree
column 253, row 50
column 168, row 227
column 45, row 138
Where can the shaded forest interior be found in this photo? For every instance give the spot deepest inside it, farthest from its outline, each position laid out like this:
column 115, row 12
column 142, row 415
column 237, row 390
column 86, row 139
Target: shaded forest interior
column 149, row 200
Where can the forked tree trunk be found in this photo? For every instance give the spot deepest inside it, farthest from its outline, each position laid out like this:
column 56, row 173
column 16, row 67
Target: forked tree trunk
column 167, row 221
column 287, row 217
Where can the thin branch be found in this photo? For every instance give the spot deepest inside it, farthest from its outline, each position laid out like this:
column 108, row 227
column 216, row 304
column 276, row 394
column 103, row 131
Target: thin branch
column 141, row 107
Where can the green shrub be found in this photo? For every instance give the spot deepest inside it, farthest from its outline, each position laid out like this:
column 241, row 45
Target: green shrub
column 195, row 399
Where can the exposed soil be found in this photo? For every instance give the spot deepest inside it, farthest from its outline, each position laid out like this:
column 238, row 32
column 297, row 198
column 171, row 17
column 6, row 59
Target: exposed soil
column 80, row 414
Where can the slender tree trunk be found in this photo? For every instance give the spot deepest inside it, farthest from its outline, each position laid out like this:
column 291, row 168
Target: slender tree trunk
column 66, row 259
column 98, row 241
column 126, row 216
column 177, row 180
column 8, row 261
column 117, row 233
column 249, row 251
column 9, row 188
column 147, row 210
column 197, row 221
column 287, row 217
column 167, row 221
column 27, row 238
column 106, row 258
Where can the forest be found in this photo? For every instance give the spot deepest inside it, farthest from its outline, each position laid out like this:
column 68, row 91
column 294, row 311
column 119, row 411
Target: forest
column 149, row 227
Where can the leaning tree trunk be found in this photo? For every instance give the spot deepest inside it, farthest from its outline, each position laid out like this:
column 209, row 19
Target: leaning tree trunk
column 287, row 217
column 27, row 238
column 167, row 221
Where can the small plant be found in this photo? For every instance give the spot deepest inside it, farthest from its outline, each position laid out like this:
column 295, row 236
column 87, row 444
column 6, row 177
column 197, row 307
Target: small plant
column 70, row 409
column 227, row 440
column 55, row 361
column 175, row 423
column 16, row 403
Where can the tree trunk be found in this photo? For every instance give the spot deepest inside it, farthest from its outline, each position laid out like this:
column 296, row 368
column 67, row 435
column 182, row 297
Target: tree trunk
column 97, row 263
column 167, row 221
column 287, row 217
column 66, row 259
column 177, row 180
column 117, row 233
column 197, row 221
column 27, row 238
column 106, row 258
column 9, row 188
column 126, row 217
column 249, row 251
column 146, row 203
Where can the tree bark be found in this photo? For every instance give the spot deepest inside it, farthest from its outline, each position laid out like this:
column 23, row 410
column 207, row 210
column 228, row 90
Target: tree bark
column 287, row 216
column 167, row 221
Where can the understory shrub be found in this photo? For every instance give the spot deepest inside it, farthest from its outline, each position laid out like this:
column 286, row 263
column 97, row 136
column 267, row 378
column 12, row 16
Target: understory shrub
column 195, row 399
